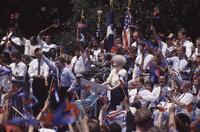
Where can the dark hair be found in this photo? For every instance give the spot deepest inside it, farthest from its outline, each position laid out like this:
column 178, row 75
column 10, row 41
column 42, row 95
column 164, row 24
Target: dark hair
column 130, row 122
column 27, row 58
column 187, row 84
column 198, row 38
column 61, row 59
column 115, row 127
column 132, row 49
column 182, row 122
column 104, row 128
column 37, row 50
column 143, row 118
column 182, row 31
column 16, row 55
column 149, row 82
column 155, row 129
column 94, row 125
column 141, row 80
column 108, row 57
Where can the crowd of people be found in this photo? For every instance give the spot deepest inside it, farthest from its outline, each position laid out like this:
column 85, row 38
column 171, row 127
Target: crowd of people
column 151, row 85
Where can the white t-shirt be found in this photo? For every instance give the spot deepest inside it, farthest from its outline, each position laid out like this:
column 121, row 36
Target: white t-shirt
column 30, row 49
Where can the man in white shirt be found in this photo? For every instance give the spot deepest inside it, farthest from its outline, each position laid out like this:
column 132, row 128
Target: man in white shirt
column 30, row 46
column 38, row 72
column 170, row 51
column 142, row 61
column 197, row 49
column 149, row 95
column 182, row 36
column 183, row 102
column 96, row 50
column 136, row 91
column 135, row 40
column 165, row 89
column 19, row 71
column 80, row 62
column 11, row 42
column 180, row 64
column 18, row 68
column 46, row 44
column 63, row 77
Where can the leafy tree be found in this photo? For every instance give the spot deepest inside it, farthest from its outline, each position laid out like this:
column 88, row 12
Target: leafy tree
column 36, row 15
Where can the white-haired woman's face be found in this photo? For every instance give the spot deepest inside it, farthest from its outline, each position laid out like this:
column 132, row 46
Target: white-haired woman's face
column 116, row 65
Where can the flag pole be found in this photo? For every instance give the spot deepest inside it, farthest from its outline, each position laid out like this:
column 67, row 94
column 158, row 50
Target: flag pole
column 111, row 4
column 81, row 103
column 18, row 111
column 129, row 6
column 77, row 29
column 46, row 29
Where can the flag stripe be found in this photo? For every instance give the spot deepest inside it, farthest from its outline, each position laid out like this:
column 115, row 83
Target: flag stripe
column 126, row 37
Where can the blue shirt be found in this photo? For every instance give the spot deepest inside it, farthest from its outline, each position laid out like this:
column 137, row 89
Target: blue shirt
column 65, row 75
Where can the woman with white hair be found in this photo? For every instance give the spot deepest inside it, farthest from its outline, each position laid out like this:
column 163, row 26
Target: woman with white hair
column 117, row 80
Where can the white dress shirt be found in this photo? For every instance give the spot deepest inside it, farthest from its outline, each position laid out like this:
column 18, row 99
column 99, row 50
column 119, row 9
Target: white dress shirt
column 185, row 98
column 96, row 53
column 163, row 47
column 196, row 52
column 179, row 64
column 146, row 97
column 19, row 69
column 188, row 45
column 134, row 44
column 166, row 91
column 147, row 60
column 80, row 64
column 33, row 69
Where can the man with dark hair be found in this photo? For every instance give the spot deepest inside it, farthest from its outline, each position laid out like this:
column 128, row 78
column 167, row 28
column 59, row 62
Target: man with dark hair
column 182, row 122
column 184, row 101
column 182, row 36
column 93, row 125
column 197, row 49
column 180, row 64
column 46, row 44
column 143, row 119
column 64, row 77
column 11, row 42
column 18, row 68
column 38, row 72
column 114, row 127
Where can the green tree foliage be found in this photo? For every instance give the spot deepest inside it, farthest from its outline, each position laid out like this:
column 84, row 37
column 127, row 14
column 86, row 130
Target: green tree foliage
column 173, row 15
column 36, row 15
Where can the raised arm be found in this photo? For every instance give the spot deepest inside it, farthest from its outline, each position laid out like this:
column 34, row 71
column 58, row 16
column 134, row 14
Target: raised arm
column 49, row 63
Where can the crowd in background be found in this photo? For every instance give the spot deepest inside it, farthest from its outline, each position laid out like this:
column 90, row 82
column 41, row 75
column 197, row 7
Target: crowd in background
column 151, row 85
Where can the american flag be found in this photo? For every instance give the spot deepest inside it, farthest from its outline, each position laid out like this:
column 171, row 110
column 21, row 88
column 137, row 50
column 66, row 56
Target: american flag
column 126, row 35
column 113, row 114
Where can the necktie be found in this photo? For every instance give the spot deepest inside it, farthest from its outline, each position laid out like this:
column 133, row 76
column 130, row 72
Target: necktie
column 39, row 61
